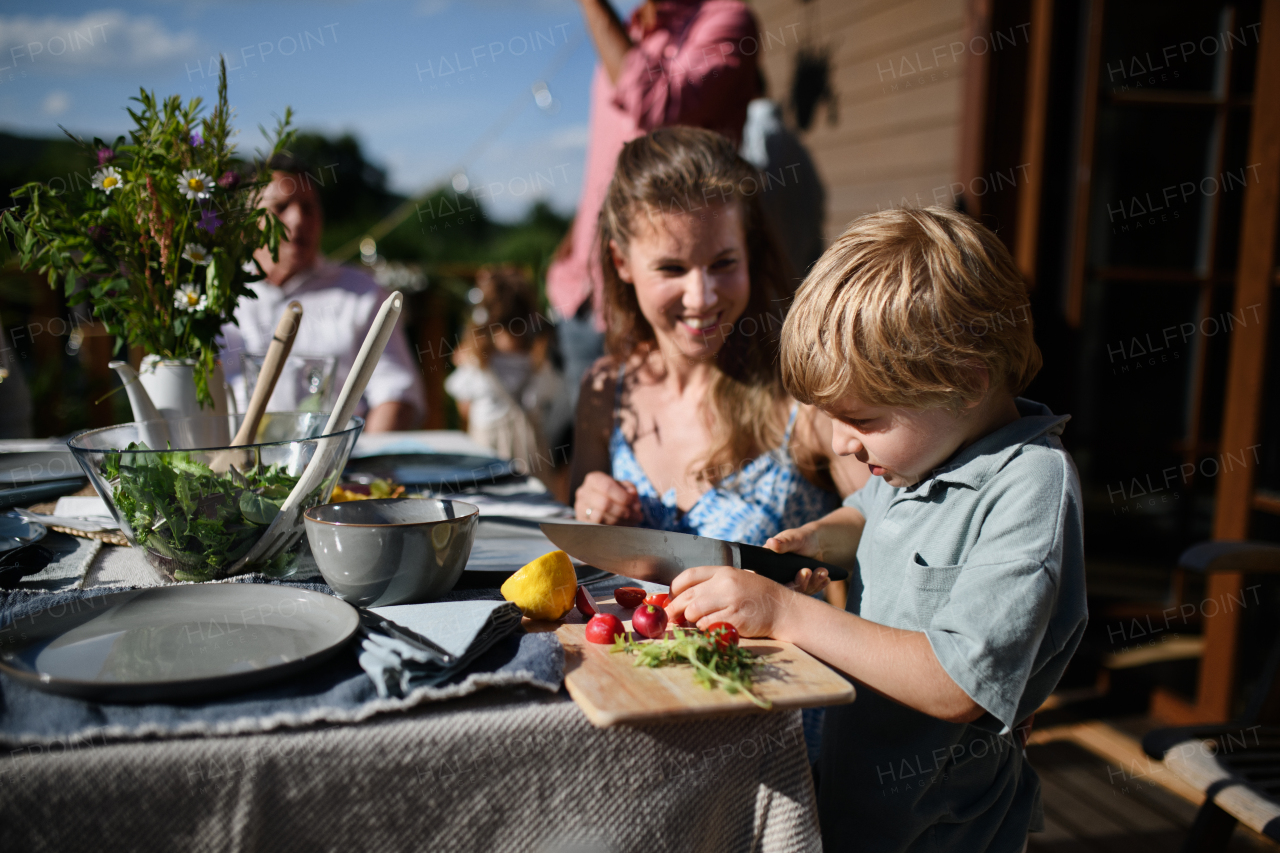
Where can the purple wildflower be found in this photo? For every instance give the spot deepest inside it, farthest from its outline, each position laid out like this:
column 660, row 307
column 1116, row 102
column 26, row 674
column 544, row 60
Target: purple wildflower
column 208, row 221
column 230, row 180
column 105, row 156
column 196, row 140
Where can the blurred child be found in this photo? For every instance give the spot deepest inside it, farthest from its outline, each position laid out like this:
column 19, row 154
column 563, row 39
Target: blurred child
column 504, row 384
column 913, row 333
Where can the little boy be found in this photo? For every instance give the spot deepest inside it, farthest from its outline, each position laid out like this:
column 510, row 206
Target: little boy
column 913, row 333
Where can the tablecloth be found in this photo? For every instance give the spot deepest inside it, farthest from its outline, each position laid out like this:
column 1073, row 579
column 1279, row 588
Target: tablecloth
column 507, row 772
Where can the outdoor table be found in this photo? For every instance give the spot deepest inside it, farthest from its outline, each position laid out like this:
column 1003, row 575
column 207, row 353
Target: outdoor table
column 504, row 769
column 515, row 770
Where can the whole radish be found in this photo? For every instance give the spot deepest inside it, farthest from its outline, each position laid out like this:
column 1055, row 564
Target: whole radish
column 649, row 621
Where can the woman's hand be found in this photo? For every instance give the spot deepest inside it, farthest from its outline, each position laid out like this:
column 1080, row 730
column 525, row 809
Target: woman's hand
column 751, row 603
column 604, row 500
column 810, row 581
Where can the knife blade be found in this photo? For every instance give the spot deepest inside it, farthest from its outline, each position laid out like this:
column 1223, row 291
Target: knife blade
column 660, row 555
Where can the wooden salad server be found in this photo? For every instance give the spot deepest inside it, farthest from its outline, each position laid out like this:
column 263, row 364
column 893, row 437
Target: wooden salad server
column 284, row 530
column 269, row 375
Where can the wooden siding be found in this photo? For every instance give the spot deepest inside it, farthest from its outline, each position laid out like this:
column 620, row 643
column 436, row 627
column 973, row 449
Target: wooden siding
column 896, row 70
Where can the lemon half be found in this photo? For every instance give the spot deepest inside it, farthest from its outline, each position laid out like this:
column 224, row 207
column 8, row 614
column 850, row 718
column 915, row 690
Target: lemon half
column 543, row 589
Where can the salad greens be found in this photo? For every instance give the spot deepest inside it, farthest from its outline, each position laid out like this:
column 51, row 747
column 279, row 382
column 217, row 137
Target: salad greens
column 724, row 665
column 193, row 521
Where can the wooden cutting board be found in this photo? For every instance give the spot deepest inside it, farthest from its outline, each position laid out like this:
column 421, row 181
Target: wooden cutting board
column 611, row 689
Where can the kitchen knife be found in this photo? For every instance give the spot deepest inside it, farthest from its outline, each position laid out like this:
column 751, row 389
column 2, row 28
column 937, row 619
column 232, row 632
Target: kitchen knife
column 660, row 555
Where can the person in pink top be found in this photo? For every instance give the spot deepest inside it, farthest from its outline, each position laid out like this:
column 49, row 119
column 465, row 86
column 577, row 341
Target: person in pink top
column 689, row 62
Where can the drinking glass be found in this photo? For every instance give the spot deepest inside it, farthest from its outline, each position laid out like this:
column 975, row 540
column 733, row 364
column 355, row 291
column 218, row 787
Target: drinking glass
column 305, row 385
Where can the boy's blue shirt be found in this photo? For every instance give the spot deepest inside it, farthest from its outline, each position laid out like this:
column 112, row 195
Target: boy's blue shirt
column 985, row 556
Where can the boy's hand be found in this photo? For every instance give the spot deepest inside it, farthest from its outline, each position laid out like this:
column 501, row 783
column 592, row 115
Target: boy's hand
column 802, row 540
column 797, row 540
column 604, row 500
column 707, row 594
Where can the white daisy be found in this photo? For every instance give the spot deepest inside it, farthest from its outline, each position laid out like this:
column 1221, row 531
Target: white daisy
column 189, row 298
column 107, row 179
column 194, row 184
column 196, row 253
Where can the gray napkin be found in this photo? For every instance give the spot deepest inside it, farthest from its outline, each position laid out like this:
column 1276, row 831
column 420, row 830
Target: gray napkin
column 464, row 629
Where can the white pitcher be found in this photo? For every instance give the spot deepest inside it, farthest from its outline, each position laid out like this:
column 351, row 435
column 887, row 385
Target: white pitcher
column 165, row 390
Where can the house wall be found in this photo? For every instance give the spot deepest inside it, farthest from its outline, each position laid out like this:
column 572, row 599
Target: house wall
column 896, row 68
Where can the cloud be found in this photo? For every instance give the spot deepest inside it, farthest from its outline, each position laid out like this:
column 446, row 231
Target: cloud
column 105, row 40
column 430, row 8
column 568, row 138
column 55, row 103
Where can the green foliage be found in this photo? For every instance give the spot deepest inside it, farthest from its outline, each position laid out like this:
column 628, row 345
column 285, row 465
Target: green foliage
column 447, row 230
column 179, row 508
column 59, row 163
column 122, row 244
column 351, row 189
column 729, row 667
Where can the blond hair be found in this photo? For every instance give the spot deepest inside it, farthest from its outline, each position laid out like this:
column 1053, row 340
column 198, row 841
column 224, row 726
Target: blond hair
column 686, row 170
column 900, row 310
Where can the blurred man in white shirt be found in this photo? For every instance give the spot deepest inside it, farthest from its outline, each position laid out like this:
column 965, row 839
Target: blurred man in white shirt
column 339, row 304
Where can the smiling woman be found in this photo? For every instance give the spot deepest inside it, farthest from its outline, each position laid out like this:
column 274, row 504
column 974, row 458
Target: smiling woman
column 685, row 425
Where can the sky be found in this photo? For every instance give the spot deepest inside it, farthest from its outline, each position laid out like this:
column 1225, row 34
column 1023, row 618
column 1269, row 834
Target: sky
column 419, row 82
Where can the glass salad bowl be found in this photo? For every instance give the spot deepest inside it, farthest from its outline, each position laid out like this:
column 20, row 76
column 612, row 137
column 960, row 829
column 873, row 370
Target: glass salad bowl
column 197, row 507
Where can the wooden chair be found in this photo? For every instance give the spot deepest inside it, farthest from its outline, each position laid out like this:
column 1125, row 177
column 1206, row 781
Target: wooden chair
column 1223, row 565
column 1237, row 764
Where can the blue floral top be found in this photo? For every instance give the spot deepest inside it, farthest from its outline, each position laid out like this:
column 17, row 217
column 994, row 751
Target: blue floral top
column 764, row 497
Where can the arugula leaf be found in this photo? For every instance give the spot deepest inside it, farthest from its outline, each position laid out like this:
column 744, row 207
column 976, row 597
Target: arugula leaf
column 258, row 508
column 729, row 668
column 196, row 520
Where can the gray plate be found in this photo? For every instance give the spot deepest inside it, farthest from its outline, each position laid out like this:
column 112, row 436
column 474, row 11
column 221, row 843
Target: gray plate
column 439, row 471
column 175, row 642
column 17, row 532
column 40, row 465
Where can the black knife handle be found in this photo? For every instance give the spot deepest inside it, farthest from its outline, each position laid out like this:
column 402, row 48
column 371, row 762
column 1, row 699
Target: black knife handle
column 783, row 567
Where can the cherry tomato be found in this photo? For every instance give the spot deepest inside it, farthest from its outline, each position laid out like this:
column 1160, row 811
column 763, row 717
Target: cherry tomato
column 724, row 634
column 628, row 596
column 603, row 627
column 658, row 599
column 586, row 604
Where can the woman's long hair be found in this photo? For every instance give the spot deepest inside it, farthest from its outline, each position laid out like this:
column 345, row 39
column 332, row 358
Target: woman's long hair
column 687, row 170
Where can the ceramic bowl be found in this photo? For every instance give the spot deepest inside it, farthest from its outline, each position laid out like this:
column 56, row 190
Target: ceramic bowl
column 393, row 551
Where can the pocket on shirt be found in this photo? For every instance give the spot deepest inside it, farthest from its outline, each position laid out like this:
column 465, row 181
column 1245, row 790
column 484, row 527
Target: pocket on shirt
column 932, row 585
